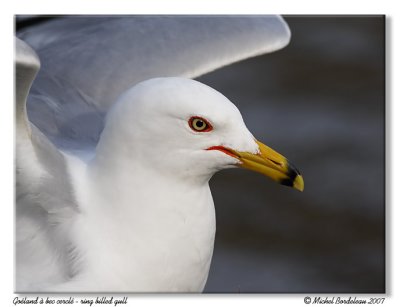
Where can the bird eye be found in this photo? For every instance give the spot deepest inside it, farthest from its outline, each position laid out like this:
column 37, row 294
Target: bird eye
column 199, row 124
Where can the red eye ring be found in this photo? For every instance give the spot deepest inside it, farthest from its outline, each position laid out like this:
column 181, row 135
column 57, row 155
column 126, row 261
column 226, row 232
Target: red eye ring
column 199, row 124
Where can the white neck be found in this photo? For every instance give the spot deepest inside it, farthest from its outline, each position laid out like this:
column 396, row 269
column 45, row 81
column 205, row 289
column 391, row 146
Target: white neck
column 147, row 239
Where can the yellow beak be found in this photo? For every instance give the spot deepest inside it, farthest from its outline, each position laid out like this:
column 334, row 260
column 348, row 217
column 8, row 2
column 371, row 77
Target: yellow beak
column 271, row 164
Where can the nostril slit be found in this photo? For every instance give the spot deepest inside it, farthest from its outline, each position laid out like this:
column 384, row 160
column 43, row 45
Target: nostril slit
column 276, row 163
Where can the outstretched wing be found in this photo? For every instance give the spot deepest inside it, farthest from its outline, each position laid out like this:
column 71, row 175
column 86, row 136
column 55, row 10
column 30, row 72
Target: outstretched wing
column 43, row 194
column 87, row 62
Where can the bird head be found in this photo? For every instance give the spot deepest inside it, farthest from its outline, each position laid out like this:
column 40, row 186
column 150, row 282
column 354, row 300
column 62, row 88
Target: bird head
column 183, row 127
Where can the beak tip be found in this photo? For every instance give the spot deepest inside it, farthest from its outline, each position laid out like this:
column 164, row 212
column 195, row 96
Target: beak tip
column 298, row 183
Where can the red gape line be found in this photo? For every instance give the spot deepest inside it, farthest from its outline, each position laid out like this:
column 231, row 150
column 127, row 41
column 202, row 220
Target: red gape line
column 223, row 149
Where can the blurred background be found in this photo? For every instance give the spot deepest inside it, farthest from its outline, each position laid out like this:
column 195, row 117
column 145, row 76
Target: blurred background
column 320, row 102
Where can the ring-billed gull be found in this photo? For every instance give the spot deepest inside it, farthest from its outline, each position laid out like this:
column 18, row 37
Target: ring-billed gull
column 136, row 212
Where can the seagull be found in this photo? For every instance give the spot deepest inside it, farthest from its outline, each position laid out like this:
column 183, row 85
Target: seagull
column 129, row 209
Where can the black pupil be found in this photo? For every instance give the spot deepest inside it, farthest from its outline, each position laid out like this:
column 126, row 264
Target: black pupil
column 199, row 123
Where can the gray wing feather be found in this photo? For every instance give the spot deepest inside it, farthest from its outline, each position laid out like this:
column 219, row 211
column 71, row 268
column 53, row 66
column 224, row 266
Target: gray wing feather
column 44, row 198
column 87, row 62
column 38, row 160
